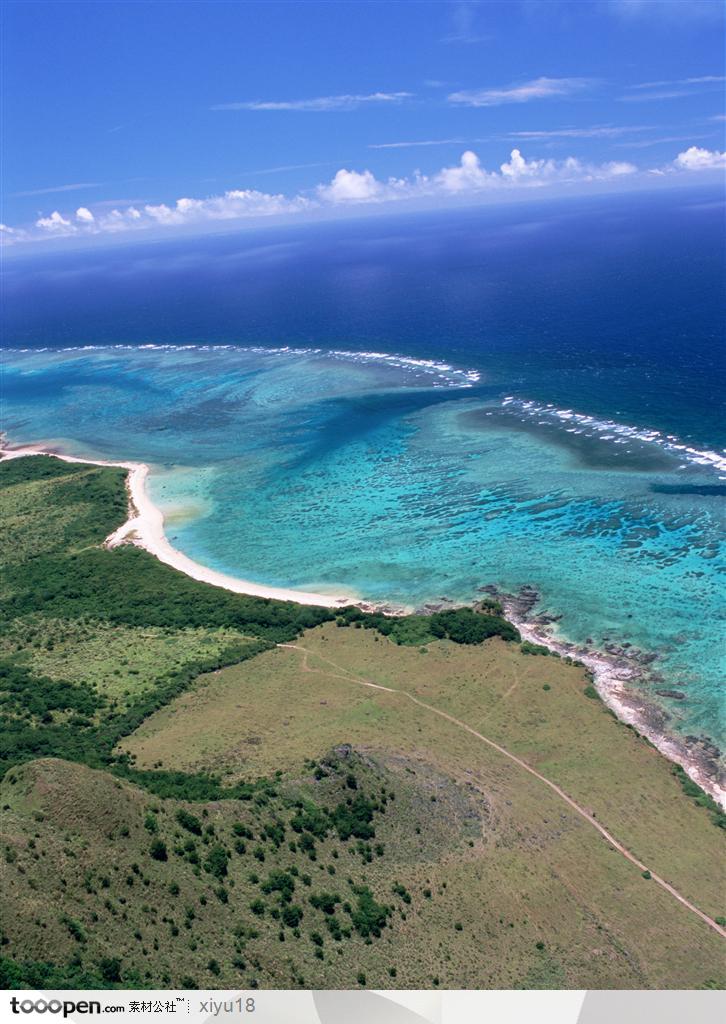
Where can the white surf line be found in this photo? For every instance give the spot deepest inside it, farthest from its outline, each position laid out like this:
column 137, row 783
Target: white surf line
column 590, row 818
column 145, row 528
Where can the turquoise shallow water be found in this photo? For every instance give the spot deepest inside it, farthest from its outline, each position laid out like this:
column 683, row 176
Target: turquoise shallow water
column 408, row 481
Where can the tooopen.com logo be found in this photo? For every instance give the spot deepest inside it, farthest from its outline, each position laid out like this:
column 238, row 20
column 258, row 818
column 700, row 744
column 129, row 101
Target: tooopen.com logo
column 64, row 1007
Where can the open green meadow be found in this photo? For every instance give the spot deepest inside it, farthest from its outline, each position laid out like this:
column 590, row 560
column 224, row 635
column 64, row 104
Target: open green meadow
column 187, row 802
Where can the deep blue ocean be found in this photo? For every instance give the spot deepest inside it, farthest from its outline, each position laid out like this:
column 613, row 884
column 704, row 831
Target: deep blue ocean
column 415, row 406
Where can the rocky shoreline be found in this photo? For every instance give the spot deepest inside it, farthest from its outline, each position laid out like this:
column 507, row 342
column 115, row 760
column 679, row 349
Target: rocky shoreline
column 622, row 675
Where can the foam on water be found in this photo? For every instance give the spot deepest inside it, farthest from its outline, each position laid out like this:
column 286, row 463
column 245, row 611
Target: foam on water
column 620, row 433
column 444, row 372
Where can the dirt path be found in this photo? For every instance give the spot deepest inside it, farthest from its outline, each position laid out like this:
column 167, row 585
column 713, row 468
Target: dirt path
column 351, row 678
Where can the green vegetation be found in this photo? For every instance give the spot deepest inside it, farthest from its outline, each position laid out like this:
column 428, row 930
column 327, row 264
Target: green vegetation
column 227, row 929
column 700, row 798
column 527, row 647
column 462, row 625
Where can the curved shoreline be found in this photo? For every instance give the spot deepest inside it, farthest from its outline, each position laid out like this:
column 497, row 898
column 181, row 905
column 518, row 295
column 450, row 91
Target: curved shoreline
column 145, row 528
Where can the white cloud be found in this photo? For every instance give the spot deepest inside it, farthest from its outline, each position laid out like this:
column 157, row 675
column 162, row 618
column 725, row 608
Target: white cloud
column 11, row 236
column 614, row 169
column 671, row 89
column 236, row 203
column 467, row 176
column 518, row 168
column 350, row 186
column 696, row 159
column 320, row 104
column 664, row 94
column 542, row 172
column 700, row 80
column 537, row 89
column 56, row 222
column 660, row 141
column 57, row 188
column 599, row 131
column 410, row 145
column 85, row 215
column 363, row 187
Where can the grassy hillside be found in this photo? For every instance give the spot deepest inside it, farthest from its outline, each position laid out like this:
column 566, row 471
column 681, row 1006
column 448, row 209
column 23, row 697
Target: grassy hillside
column 186, row 803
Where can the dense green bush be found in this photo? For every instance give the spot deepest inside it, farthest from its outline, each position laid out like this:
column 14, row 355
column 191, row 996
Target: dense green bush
column 703, row 799
column 189, row 821
column 368, row 916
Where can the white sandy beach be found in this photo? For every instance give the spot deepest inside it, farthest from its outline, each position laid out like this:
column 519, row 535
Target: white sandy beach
column 145, row 527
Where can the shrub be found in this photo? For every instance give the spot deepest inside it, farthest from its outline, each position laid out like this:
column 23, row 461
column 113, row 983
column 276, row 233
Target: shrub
column 110, row 969
column 527, row 647
column 292, row 915
column 402, row 891
column 189, row 821
column 281, row 882
column 325, row 901
column 158, row 850
column 216, row 861
column 368, row 917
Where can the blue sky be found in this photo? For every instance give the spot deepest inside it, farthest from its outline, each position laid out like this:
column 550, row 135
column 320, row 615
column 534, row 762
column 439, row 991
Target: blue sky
column 123, row 117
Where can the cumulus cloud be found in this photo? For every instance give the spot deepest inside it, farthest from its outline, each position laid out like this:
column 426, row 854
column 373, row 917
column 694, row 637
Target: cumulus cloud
column 696, row 159
column 56, row 222
column 319, row 104
column 85, row 215
column 236, row 203
column 470, row 176
column 350, row 186
column 536, row 89
column 467, row 176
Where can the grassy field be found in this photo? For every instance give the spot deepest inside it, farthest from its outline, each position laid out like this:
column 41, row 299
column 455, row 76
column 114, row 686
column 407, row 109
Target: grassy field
column 119, row 661
column 186, row 803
